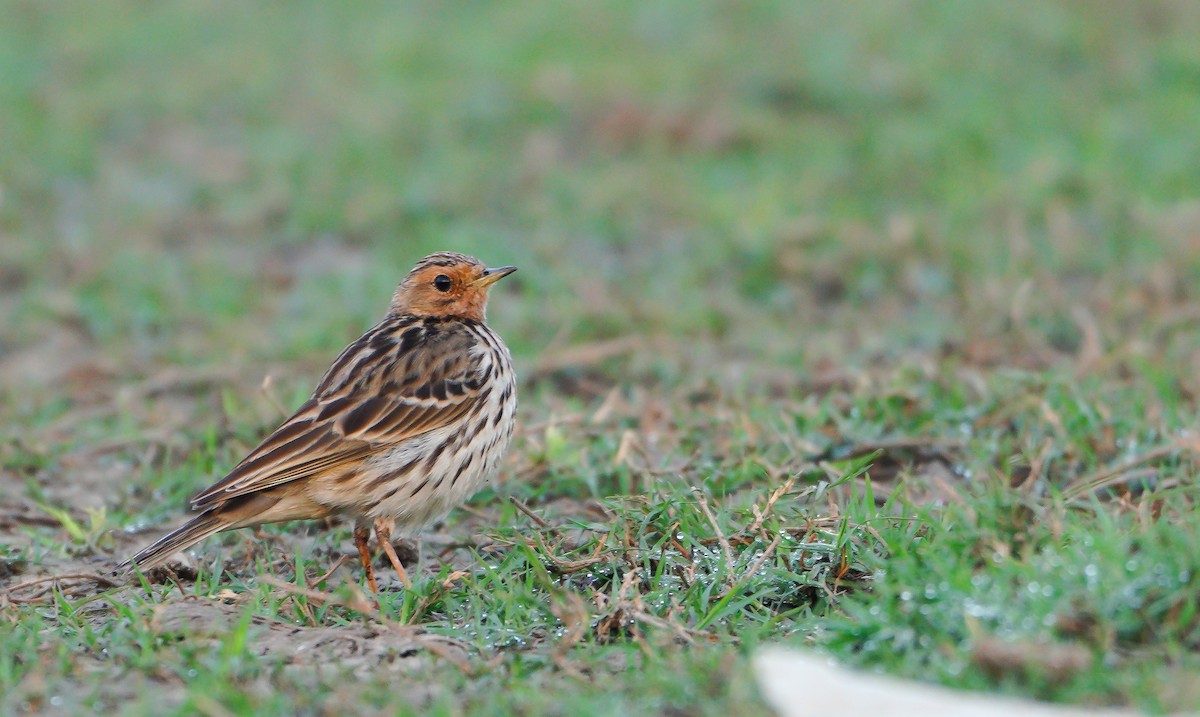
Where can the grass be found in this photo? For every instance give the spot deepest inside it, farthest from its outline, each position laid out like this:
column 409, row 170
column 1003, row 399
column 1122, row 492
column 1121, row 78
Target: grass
column 901, row 296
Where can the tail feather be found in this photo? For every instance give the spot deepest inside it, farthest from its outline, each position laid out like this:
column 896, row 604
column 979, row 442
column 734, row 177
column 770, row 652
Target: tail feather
column 192, row 532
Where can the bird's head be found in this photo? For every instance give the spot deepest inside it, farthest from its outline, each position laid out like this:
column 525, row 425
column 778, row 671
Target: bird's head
column 447, row 284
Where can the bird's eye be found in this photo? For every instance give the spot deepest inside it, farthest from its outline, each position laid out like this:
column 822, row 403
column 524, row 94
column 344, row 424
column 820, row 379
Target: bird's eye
column 441, row 282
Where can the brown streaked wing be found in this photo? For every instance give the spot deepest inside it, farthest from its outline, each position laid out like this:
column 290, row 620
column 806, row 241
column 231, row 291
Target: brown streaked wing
column 383, row 390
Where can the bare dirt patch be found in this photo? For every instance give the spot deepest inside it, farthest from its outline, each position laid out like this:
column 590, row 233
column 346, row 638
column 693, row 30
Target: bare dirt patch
column 363, row 648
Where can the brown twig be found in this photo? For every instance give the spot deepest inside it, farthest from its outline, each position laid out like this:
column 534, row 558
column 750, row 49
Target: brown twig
column 533, row 429
column 358, row 603
column 682, row 632
column 761, row 559
column 759, row 517
column 754, row 567
column 566, row 567
column 337, row 564
column 99, row 580
column 268, row 383
column 1119, row 473
column 537, row 519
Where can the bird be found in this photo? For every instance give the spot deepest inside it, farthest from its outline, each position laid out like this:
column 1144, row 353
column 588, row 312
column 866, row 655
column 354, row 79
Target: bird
column 409, row 421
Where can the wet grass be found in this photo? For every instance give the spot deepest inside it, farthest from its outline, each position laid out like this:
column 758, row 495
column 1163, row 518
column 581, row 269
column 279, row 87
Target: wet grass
column 864, row 329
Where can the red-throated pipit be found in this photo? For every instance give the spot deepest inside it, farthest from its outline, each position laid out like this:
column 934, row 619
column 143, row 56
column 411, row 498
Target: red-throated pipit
column 407, row 424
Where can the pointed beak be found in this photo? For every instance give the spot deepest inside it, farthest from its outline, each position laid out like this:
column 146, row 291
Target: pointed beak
column 491, row 276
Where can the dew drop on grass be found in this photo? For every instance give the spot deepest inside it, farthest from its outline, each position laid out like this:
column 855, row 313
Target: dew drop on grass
column 511, row 642
column 975, row 609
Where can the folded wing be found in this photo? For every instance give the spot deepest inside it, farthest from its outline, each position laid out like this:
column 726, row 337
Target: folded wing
column 401, row 379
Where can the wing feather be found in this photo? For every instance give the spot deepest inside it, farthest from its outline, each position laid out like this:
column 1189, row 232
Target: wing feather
column 403, row 378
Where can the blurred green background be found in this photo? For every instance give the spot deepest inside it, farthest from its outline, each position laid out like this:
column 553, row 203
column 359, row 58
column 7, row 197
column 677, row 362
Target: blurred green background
column 759, row 177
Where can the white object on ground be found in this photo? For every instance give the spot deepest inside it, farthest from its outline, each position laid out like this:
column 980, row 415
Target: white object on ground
column 800, row 684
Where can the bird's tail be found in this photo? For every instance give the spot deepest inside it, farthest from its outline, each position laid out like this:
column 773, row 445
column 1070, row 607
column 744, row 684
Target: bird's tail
column 192, row 532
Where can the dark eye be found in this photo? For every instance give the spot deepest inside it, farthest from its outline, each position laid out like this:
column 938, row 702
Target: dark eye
column 441, row 282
